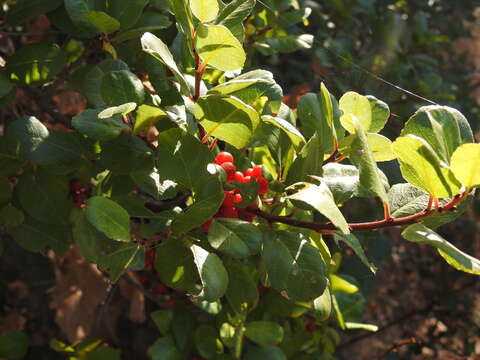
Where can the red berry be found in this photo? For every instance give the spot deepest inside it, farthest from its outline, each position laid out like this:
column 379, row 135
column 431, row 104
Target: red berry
column 75, row 185
column 238, row 177
column 159, row 289
column 229, row 169
column 311, row 327
column 228, row 212
column 206, row 225
column 223, row 157
column 229, row 198
column 248, row 172
column 247, row 179
column 262, row 185
column 257, row 171
column 237, row 198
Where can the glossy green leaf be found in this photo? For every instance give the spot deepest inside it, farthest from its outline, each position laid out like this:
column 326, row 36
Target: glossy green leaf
column 10, row 216
column 45, row 197
column 227, row 118
column 421, row 167
column 287, row 44
column 361, row 155
column 116, row 262
column 109, row 218
column 75, row 10
column 147, row 116
column 465, row 165
column 234, row 237
column 406, row 199
column 175, row 266
column 183, row 16
column 294, row 267
column 13, row 345
column 295, row 136
column 442, row 127
column 340, row 284
column 149, row 21
column 234, row 13
column 165, row 349
column 37, row 63
column 308, row 162
column 321, row 199
column 162, row 319
column 207, row 341
column 355, row 106
column 204, row 10
column 90, row 124
column 294, row 16
column 264, row 333
column 120, row 87
column 182, row 158
column 126, row 12
column 101, row 21
column 213, row 275
column 217, row 47
column 159, row 50
column 453, row 256
column 380, row 114
column 22, row 10
column 242, row 292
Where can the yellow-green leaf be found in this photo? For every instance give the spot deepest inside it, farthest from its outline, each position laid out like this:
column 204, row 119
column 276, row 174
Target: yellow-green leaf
column 421, row 167
column 356, row 106
column 465, row 164
column 204, row 10
column 218, row 48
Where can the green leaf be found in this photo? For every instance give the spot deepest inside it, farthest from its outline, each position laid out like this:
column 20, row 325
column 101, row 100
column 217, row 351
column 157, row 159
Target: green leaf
column 227, row 118
column 35, row 236
column 234, row 237
column 44, row 147
column 109, row 218
column 355, row 106
column 421, row 167
column 183, row 16
column 212, row 274
column 45, row 197
column 162, row 319
column 10, row 161
column 35, row 64
column 147, row 116
column 380, row 146
column 207, row 341
column 242, row 293
column 321, row 199
column 149, row 21
column 22, row 10
column 159, row 50
column 165, row 349
column 120, row 87
column 218, row 48
column 116, row 262
column 360, row 326
column 10, row 216
column 266, row 353
column 175, row 266
column 264, row 333
column 101, row 21
column 288, row 44
column 340, row 284
column 380, row 114
column 75, row 10
column 353, row 242
column 126, row 12
column 294, row 267
column 5, row 191
column 204, row 10
column 90, row 124
column 323, row 305
column 292, row 17
column 103, row 353
column 308, row 162
column 14, row 345
column 406, row 199
column 465, row 165
column 117, row 110
column 295, row 136
column 442, row 127
column 453, row 256
column 234, row 13
column 361, row 155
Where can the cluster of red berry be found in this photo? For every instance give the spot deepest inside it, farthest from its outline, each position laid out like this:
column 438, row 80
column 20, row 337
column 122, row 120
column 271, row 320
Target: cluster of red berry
column 79, row 193
column 230, row 207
